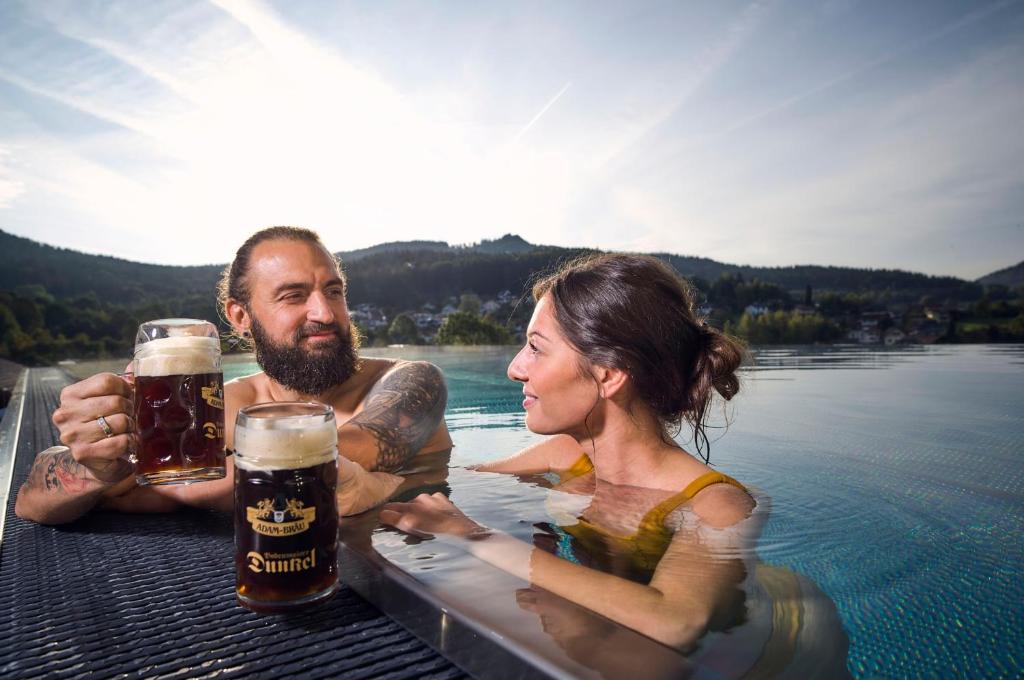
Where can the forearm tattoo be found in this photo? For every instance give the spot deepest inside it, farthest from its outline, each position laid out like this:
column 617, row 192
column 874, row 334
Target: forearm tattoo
column 402, row 411
column 56, row 472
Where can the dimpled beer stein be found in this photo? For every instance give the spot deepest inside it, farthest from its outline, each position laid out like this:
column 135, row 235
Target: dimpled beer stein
column 286, row 517
column 179, row 402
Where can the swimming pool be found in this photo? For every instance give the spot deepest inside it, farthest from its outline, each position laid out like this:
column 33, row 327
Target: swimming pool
column 896, row 478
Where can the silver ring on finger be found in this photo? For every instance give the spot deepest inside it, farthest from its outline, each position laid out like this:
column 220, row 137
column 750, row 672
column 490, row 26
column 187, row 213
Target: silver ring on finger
column 105, row 426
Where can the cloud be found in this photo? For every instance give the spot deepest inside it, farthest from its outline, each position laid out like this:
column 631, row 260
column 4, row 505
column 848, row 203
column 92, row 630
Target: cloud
column 675, row 135
column 10, row 188
column 922, row 173
column 271, row 128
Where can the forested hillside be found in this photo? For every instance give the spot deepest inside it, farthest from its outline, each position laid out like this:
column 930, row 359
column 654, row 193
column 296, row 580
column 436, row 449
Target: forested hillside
column 1010, row 277
column 57, row 302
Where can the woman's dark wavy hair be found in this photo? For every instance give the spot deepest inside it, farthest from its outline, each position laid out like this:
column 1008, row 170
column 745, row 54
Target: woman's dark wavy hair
column 636, row 314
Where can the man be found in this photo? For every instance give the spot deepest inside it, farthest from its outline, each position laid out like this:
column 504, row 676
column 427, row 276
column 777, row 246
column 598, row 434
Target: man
column 286, row 293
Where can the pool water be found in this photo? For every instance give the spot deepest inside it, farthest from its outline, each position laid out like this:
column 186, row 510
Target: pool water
column 896, row 479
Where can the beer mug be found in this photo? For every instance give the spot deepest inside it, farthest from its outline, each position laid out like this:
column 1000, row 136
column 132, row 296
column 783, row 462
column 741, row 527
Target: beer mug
column 286, row 516
column 179, row 402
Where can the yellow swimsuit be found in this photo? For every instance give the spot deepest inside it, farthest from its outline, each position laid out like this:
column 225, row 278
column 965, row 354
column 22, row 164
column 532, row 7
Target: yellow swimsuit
column 792, row 626
column 644, row 548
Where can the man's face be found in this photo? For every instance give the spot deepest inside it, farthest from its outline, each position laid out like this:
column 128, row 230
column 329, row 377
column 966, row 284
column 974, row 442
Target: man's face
column 300, row 322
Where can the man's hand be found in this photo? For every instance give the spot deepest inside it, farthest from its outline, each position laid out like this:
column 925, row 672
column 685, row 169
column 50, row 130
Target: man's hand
column 401, row 412
column 65, row 482
column 103, row 454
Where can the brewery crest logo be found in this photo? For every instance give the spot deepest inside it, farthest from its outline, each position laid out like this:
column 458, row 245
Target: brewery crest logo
column 213, row 394
column 213, row 430
column 269, row 520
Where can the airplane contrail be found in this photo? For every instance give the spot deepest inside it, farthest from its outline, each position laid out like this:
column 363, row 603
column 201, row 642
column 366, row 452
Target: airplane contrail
column 540, row 113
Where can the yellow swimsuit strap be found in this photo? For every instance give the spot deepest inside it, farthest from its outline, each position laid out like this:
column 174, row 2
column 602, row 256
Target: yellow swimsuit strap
column 581, row 467
column 654, row 520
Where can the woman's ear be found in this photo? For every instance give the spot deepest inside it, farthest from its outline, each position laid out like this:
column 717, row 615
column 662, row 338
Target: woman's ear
column 610, row 381
column 238, row 315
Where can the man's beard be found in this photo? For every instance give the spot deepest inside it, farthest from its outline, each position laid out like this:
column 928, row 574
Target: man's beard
column 309, row 372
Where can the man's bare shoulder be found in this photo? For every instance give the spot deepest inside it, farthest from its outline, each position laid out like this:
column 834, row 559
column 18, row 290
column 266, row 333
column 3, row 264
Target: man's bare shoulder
column 372, row 369
column 390, row 373
column 246, row 390
column 403, row 408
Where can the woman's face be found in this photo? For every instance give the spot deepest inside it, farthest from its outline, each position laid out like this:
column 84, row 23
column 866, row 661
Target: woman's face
column 557, row 398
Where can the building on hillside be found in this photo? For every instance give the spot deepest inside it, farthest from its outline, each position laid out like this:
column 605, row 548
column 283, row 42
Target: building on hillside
column 756, row 309
column 426, row 322
column 894, row 336
column 368, row 316
column 877, row 320
column 925, row 332
column 865, row 336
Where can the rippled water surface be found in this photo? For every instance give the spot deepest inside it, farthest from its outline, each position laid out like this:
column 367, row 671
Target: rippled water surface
column 896, row 479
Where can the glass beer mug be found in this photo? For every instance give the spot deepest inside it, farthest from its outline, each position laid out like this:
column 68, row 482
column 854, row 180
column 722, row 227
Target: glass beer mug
column 286, row 513
column 179, row 402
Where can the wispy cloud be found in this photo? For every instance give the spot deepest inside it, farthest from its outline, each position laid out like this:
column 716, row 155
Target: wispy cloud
column 754, row 132
column 10, row 188
column 544, row 109
column 688, row 81
column 875, row 63
column 922, row 177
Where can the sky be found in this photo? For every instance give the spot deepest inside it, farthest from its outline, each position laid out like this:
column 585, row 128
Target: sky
column 843, row 132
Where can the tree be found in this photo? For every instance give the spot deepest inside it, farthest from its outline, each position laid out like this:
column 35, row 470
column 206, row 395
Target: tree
column 784, row 327
column 460, row 328
column 403, row 331
column 470, row 303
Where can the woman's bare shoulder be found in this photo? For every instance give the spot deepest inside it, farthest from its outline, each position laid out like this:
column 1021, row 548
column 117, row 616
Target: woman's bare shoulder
column 562, row 451
column 722, row 505
column 553, row 454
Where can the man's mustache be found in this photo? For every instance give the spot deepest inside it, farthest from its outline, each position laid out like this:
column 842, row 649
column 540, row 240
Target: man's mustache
column 316, row 328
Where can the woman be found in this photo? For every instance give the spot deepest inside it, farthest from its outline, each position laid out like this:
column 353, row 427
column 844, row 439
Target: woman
column 616, row 359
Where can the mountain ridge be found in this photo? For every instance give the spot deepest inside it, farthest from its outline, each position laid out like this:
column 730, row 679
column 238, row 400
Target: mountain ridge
column 1011, row 276
column 489, row 266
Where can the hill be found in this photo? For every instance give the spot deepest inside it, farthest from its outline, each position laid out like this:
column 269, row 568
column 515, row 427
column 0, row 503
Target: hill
column 1011, row 277
column 56, row 302
column 393, row 247
column 411, row 273
column 507, row 244
column 68, row 273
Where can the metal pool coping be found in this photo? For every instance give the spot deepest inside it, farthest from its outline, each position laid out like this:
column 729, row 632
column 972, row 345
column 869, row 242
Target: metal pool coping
column 10, row 431
column 491, row 648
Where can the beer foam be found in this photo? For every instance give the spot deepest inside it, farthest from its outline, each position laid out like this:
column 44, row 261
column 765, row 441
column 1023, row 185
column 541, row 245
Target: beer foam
column 178, row 356
column 284, row 448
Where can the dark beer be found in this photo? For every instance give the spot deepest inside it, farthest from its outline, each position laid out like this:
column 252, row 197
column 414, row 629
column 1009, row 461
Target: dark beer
column 180, row 421
column 286, row 517
column 286, row 526
column 179, row 402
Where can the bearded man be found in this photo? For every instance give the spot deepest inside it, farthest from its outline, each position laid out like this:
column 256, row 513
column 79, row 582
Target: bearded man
column 285, row 293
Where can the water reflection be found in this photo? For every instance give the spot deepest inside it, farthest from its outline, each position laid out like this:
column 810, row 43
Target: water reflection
column 892, row 478
column 613, row 586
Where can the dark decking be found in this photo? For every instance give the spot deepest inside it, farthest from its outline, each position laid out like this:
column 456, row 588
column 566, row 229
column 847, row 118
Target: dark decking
column 115, row 595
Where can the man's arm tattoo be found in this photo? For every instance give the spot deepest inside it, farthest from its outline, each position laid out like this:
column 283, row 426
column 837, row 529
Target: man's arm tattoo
column 402, row 411
column 59, row 471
